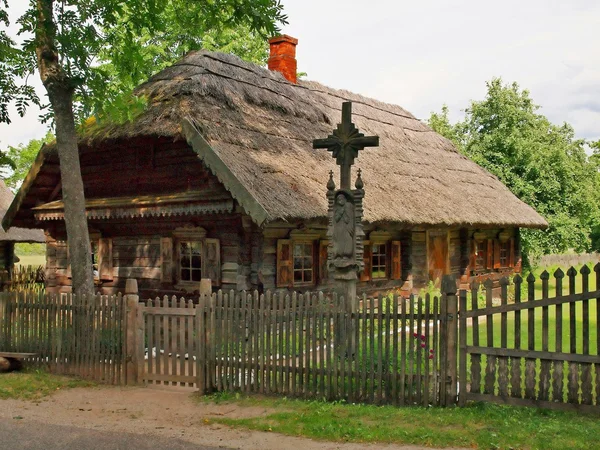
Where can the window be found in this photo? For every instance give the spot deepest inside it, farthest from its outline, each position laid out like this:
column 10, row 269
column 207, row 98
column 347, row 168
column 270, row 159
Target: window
column 480, row 255
column 188, row 257
column 378, row 261
column 296, row 262
column 303, row 263
column 190, row 261
column 504, row 250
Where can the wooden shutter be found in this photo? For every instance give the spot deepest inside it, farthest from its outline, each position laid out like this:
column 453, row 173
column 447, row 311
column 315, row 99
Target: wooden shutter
column 166, row 260
column 473, row 256
column 366, row 273
column 212, row 261
column 511, row 253
column 396, row 272
column 105, row 259
column 496, row 254
column 285, row 266
column 323, row 271
column 69, row 275
column 490, row 254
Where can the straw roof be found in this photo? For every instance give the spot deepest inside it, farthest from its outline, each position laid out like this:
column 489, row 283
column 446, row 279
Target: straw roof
column 16, row 234
column 254, row 130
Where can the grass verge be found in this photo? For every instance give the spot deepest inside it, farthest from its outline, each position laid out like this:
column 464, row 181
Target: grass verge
column 34, row 385
column 479, row 425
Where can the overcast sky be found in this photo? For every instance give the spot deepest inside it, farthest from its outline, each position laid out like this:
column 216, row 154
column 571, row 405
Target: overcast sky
column 422, row 54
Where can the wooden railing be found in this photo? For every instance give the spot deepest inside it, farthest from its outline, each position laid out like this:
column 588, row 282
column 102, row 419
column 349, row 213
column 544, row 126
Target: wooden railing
column 534, row 351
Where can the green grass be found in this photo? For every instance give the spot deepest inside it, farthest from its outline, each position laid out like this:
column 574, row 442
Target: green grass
column 34, row 385
column 476, row 426
column 538, row 317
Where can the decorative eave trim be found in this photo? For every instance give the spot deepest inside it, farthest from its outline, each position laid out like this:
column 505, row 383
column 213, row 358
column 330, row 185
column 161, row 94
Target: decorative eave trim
column 148, row 211
column 219, row 169
column 34, row 170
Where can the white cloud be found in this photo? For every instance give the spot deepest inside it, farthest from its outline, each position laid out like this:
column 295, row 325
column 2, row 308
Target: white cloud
column 421, row 55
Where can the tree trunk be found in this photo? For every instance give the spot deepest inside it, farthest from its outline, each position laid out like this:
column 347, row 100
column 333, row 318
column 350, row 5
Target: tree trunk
column 60, row 92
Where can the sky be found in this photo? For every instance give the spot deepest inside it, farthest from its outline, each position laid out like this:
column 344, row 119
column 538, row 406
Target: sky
column 427, row 53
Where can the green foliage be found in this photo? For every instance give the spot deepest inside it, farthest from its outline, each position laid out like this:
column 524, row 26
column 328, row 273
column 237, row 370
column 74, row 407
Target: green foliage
column 25, row 249
column 541, row 163
column 23, row 157
column 107, row 47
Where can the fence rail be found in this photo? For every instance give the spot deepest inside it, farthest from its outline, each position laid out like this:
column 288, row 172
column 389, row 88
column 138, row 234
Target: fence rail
column 68, row 335
column 537, row 344
column 533, row 351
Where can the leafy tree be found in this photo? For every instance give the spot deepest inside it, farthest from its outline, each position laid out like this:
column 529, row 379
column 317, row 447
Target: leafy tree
column 22, row 157
column 541, row 163
column 65, row 42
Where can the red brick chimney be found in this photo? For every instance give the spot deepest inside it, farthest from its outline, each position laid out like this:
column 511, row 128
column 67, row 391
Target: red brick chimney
column 283, row 56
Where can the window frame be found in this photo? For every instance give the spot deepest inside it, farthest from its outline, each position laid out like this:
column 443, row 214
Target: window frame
column 386, row 267
column 178, row 257
column 314, row 267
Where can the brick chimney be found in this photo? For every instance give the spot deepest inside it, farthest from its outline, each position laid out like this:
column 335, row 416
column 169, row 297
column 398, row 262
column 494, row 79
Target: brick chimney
column 283, row 56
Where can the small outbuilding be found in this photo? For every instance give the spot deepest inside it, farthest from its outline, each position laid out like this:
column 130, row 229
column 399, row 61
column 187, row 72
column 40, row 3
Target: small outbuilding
column 218, row 179
column 12, row 236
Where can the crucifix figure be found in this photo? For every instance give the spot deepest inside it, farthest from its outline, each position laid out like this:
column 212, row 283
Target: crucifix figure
column 345, row 143
column 345, row 229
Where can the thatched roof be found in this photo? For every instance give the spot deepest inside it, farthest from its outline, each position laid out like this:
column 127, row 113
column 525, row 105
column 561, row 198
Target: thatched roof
column 254, row 130
column 16, row 234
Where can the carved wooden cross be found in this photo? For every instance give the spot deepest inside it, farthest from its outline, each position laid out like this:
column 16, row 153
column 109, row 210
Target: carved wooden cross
column 344, row 143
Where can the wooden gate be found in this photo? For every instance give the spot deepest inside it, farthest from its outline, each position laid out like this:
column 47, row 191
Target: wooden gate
column 168, row 348
column 533, row 351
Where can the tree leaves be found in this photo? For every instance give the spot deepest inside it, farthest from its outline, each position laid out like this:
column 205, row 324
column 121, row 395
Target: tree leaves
column 541, row 163
column 107, row 47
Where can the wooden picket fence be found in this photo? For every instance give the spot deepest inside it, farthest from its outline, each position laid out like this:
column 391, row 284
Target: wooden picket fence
column 533, row 351
column 68, row 335
column 300, row 345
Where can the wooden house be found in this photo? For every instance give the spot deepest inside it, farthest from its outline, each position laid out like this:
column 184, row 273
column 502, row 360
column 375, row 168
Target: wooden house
column 218, row 179
column 12, row 236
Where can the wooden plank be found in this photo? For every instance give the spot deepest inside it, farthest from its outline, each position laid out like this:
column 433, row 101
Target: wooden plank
column 534, row 354
column 426, row 353
column 462, row 349
column 220, row 331
column 597, row 366
column 515, row 362
column 181, row 332
column 419, row 347
column 159, row 337
column 544, row 378
column 490, row 369
column 294, row 350
column 395, row 338
column 586, row 368
column 436, row 346
column 322, row 344
column 388, row 360
column 269, row 344
column 363, row 352
column 372, row 350
column 530, row 375
column 212, row 346
column 475, row 359
column 573, row 369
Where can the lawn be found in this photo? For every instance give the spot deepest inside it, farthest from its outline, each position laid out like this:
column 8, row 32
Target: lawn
column 32, row 260
column 34, row 385
column 476, row 426
column 538, row 322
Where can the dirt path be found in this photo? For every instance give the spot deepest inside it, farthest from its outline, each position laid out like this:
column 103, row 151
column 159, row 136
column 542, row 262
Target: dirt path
column 164, row 412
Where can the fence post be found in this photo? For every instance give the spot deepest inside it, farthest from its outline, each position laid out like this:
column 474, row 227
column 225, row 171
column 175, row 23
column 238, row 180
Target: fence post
column 449, row 338
column 131, row 300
